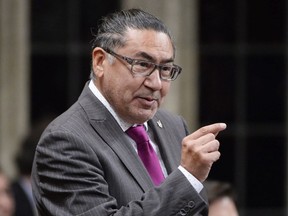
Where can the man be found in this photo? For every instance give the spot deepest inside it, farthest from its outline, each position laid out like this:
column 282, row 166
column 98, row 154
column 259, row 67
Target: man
column 87, row 164
column 21, row 186
column 222, row 198
column 7, row 205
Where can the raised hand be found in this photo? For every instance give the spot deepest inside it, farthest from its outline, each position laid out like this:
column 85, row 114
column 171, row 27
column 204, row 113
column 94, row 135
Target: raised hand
column 200, row 150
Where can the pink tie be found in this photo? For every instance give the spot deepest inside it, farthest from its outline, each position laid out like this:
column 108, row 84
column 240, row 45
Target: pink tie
column 146, row 153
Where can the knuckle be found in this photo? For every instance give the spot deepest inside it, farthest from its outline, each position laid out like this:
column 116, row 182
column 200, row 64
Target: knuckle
column 211, row 136
column 216, row 157
column 217, row 143
column 185, row 141
column 200, row 156
column 203, row 130
column 189, row 144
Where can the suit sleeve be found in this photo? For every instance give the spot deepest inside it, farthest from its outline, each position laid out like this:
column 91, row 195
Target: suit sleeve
column 68, row 179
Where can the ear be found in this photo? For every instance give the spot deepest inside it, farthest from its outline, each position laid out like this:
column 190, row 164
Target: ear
column 98, row 59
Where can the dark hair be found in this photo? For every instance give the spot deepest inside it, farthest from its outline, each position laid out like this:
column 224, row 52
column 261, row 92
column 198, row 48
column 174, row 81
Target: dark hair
column 25, row 155
column 112, row 28
column 217, row 189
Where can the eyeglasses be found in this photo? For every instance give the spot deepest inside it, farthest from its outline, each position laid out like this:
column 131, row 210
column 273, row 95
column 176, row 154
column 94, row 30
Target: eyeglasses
column 145, row 68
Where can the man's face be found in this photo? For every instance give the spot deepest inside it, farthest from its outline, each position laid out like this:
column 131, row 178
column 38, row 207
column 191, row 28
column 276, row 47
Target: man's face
column 223, row 206
column 136, row 99
column 6, row 199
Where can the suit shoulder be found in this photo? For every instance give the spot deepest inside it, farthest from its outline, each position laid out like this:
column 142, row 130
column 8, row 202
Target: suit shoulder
column 71, row 119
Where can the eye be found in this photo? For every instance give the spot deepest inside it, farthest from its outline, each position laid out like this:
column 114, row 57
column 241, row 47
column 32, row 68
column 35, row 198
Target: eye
column 166, row 71
column 144, row 64
column 166, row 68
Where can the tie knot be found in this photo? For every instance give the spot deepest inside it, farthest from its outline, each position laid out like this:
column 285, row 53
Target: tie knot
column 138, row 134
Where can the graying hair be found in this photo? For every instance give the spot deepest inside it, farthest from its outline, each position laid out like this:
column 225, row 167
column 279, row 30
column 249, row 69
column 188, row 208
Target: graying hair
column 112, row 29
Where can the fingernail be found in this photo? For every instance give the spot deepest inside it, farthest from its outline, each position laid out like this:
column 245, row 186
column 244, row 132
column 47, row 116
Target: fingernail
column 223, row 125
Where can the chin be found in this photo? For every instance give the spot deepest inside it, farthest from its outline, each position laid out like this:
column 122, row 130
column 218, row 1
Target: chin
column 140, row 119
column 147, row 117
column 139, row 115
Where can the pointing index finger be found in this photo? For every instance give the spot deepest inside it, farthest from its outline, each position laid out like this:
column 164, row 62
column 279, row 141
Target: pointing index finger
column 212, row 128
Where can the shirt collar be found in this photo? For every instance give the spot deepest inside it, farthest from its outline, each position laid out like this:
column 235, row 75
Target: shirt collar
column 124, row 125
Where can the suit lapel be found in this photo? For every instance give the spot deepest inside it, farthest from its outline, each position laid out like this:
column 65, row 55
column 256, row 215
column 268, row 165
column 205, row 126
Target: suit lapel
column 113, row 135
column 166, row 142
column 109, row 130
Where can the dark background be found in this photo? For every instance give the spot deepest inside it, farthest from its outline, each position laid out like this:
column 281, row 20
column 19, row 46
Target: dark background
column 243, row 55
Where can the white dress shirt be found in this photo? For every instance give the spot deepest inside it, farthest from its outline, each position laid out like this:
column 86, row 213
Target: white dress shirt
column 124, row 125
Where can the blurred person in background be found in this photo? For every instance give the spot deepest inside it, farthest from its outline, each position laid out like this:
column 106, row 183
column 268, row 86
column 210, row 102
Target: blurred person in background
column 6, row 197
column 21, row 186
column 222, row 198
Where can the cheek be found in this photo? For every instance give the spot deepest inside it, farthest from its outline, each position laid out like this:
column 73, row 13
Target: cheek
column 165, row 89
column 117, row 91
column 6, row 201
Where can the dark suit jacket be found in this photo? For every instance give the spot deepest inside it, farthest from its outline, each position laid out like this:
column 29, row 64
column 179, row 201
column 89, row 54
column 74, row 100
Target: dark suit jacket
column 23, row 206
column 85, row 165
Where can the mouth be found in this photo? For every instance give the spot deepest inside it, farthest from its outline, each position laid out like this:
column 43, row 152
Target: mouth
column 148, row 102
column 149, row 98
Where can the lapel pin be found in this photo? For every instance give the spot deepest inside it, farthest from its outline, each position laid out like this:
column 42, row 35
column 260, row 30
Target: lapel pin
column 159, row 123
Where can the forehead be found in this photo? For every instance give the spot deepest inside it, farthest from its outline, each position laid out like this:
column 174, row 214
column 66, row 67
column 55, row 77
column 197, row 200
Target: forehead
column 149, row 41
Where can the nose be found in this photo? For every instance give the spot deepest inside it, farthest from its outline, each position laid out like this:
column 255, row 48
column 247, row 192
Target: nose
column 153, row 81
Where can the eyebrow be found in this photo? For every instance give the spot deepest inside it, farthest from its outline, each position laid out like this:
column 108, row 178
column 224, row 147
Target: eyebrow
column 150, row 58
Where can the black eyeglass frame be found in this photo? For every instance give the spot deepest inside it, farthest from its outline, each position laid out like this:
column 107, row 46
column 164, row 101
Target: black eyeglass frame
column 174, row 72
